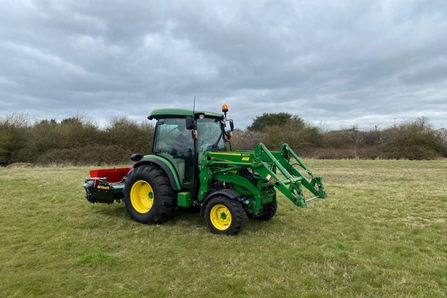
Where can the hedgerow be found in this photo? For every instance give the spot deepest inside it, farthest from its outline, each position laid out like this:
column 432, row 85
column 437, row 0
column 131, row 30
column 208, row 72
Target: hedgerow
column 77, row 141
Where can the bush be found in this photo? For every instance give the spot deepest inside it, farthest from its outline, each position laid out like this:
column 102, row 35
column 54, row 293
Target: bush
column 72, row 141
column 415, row 141
column 130, row 135
column 269, row 119
column 14, row 131
column 244, row 140
column 295, row 132
column 78, row 142
column 332, row 153
column 91, row 155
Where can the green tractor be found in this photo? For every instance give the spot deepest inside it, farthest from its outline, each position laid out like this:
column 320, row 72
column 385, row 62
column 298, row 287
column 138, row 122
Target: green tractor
column 193, row 165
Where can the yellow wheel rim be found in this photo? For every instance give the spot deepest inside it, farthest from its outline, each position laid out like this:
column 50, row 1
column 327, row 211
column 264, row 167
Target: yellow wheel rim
column 220, row 217
column 142, row 196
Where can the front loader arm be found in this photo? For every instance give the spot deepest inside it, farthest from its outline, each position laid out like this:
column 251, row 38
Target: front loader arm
column 314, row 184
column 274, row 162
column 268, row 165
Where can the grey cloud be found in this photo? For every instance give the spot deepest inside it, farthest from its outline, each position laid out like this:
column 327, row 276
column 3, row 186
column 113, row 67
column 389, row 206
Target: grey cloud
column 329, row 62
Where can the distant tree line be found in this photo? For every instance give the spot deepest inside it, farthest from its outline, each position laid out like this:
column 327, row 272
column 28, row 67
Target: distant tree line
column 76, row 141
column 73, row 141
column 414, row 140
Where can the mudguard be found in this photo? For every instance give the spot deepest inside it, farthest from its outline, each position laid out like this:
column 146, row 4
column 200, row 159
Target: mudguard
column 229, row 193
column 165, row 165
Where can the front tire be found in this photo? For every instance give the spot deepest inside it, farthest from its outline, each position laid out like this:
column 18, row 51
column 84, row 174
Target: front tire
column 269, row 211
column 148, row 195
column 224, row 215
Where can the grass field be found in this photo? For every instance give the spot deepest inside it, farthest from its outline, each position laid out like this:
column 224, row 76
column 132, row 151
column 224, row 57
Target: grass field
column 382, row 232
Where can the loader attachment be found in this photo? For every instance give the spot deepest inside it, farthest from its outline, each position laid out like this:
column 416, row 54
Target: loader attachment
column 271, row 163
column 279, row 169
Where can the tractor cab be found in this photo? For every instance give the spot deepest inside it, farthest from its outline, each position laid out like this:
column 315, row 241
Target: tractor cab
column 181, row 136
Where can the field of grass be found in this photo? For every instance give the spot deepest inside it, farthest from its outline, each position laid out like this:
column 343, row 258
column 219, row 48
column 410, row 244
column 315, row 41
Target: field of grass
column 382, row 232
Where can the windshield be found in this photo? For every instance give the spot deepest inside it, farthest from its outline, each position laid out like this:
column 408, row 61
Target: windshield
column 210, row 135
column 170, row 130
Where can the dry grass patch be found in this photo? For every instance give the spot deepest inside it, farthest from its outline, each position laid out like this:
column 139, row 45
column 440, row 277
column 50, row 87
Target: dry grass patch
column 380, row 233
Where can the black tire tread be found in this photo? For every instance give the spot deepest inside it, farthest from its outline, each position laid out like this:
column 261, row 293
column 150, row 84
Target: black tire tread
column 237, row 214
column 164, row 194
column 269, row 212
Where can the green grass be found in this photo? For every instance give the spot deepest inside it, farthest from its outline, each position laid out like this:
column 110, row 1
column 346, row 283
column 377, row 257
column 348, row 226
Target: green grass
column 382, row 232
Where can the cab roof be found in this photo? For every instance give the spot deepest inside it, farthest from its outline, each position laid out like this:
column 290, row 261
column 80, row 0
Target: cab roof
column 181, row 113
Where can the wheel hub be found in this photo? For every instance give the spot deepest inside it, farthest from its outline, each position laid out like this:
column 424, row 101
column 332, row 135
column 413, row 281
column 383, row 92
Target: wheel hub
column 142, row 196
column 220, row 217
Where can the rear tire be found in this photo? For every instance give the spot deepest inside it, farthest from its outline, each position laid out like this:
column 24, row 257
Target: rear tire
column 269, row 211
column 224, row 215
column 148, row 195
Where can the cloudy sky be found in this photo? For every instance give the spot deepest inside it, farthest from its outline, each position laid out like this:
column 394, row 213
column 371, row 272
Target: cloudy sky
column 333, row 63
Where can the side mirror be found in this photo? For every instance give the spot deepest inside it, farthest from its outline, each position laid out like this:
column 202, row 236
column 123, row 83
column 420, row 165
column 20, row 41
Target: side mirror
column 190, row 123
column 231, row 125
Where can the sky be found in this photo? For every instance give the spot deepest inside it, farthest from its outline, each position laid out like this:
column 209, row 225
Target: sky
column 335, row 64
